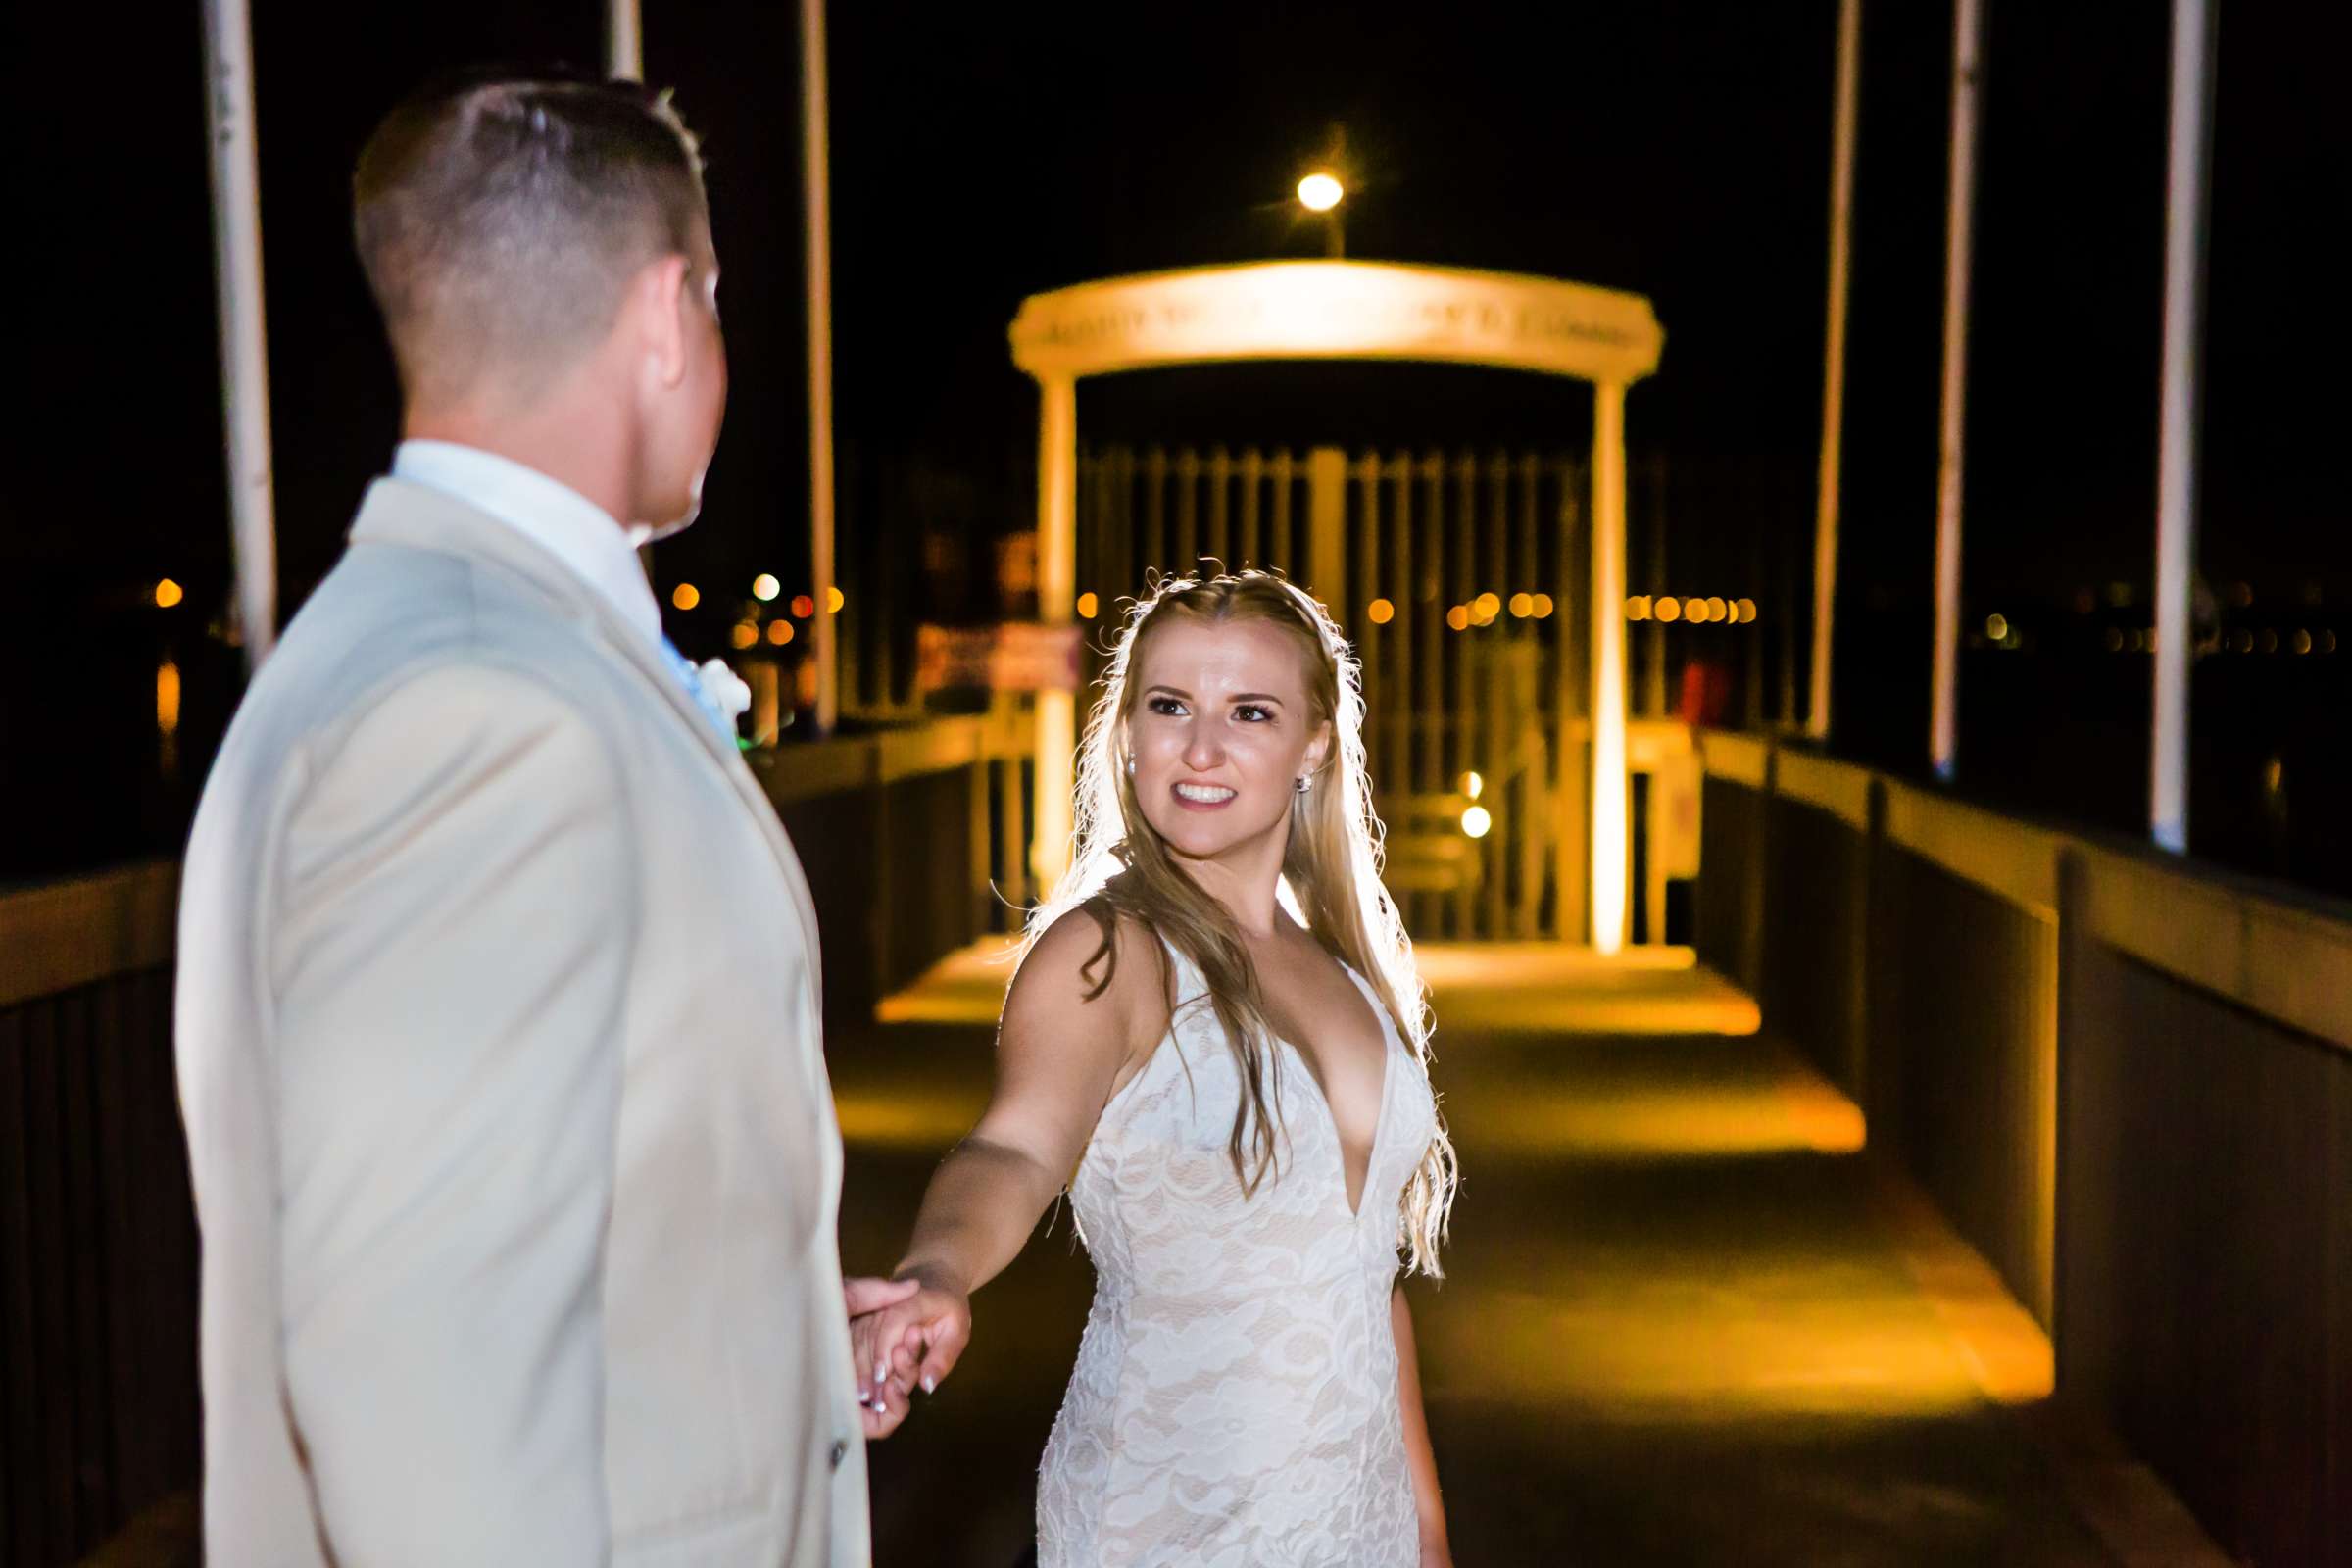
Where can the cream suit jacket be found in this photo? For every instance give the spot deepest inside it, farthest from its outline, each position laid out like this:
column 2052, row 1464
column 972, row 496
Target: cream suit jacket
column 498, row 1052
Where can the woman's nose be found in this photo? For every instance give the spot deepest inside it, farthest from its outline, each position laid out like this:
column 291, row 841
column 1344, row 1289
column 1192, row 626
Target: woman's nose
column 1201, row 748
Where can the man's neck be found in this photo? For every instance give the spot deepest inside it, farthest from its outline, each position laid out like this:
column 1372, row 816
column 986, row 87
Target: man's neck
column 573, row 442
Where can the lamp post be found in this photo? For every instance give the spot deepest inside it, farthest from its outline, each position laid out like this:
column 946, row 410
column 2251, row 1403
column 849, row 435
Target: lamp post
column 1321, row 192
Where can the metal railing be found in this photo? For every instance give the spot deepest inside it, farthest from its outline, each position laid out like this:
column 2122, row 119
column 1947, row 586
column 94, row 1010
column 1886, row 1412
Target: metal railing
column 907, row 836
column 2125, row 1079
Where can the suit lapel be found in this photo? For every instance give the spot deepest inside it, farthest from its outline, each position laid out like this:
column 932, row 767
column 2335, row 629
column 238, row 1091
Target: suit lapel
column 396, row 512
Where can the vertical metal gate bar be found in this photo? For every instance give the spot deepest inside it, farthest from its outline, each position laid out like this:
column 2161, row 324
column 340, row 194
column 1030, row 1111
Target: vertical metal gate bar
column 1501, row 743
column 1416, row 615
column 1155, row 511
column 1250, row 546
column 1381, row 673
column 1188, row 511
column 1284, row 549
column 1470, row 662
column 1429, row 708
column 1537, row 803
column 1573, row 788
column 1654, row 691
column 1363, row 583
column 1327, row 531
column 1218, row 535
column 1130, row 579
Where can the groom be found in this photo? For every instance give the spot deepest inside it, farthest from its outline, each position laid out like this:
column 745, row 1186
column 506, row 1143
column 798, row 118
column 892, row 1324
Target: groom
column 497, row 1013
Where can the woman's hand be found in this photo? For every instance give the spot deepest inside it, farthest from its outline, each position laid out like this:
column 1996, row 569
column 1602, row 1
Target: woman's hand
column 862, row 1296
column 914, row 1340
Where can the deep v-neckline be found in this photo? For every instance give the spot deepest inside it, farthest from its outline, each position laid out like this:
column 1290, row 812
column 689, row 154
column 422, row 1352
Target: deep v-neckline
column 1331, row 1118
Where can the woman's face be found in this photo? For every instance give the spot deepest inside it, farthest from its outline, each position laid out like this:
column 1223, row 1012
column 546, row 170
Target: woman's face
column 1221, row 730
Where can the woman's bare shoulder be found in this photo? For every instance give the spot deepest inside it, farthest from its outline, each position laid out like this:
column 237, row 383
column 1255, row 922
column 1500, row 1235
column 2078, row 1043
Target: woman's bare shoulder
column 1088, row 957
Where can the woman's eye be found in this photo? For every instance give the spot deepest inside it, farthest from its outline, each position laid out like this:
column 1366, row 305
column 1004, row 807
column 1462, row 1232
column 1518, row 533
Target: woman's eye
column 1167, row 705
column 1251, row 713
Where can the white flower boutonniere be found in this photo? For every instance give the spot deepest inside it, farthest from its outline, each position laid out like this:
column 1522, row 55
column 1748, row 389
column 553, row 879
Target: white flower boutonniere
column 726, row 688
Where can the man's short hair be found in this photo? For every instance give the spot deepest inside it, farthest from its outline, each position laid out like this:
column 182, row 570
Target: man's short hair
column 500, row 221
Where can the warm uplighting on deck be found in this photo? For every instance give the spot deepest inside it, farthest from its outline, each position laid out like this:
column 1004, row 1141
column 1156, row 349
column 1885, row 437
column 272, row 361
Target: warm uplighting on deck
column 686, row 596
column 168, row 594
column 779, row 632
column 1380, row 612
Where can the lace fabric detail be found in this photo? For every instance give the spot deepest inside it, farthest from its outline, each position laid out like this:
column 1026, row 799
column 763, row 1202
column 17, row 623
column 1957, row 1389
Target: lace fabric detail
column 1234, row 1402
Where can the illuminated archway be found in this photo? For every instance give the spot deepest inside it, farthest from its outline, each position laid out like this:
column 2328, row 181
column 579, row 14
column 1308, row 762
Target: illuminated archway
column 1343, row 311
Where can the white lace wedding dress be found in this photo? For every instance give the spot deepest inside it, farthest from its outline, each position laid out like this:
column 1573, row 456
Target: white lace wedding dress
column 1235, row 1401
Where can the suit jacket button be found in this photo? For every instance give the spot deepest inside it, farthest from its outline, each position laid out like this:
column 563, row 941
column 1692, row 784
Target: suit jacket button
column 841, row 1449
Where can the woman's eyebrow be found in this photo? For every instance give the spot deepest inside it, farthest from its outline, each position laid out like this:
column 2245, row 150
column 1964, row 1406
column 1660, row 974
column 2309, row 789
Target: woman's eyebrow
column 1172, row 691
column 1258, row 696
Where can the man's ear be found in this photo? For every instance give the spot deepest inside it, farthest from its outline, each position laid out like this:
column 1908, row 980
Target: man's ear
column 657, row 306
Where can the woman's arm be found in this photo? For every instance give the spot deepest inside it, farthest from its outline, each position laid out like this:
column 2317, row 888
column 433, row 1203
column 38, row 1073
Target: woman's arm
column 1435, row 1551
column 1059, row 1053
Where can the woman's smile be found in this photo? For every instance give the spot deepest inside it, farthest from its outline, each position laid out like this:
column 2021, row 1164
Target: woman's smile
column 1201, row 796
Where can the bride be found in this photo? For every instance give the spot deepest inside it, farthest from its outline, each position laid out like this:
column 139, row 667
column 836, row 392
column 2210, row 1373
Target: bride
column 1216, row 1040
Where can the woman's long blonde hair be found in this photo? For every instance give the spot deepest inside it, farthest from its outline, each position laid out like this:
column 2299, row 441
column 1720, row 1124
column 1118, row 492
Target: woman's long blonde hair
column 1120, row 866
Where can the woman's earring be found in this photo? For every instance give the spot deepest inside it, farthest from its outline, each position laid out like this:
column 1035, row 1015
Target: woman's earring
column 1131, row 764
column 1305, row 781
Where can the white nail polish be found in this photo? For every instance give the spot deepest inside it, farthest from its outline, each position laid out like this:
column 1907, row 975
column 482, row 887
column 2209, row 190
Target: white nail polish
column 930, row 1384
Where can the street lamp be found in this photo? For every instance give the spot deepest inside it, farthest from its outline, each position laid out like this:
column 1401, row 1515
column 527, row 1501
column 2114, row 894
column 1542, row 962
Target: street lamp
column 1322, row 192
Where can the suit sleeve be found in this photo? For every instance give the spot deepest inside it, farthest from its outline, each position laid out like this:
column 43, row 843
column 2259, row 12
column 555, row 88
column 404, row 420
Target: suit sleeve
column 456, row 906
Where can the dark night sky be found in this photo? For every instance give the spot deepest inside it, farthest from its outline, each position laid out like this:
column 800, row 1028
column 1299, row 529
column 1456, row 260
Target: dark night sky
column 984, row 153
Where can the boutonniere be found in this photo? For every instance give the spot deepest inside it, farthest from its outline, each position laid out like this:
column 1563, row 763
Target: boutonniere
column 726, row 688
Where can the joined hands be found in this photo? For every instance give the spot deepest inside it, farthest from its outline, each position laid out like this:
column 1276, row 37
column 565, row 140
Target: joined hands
column 905, row 1333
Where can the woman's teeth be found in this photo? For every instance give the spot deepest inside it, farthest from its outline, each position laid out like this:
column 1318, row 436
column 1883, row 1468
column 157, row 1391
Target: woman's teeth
column 1205, row 794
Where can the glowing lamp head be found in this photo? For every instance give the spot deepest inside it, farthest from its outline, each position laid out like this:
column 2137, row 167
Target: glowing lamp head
column 1320, row 192
column 1476, row 822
